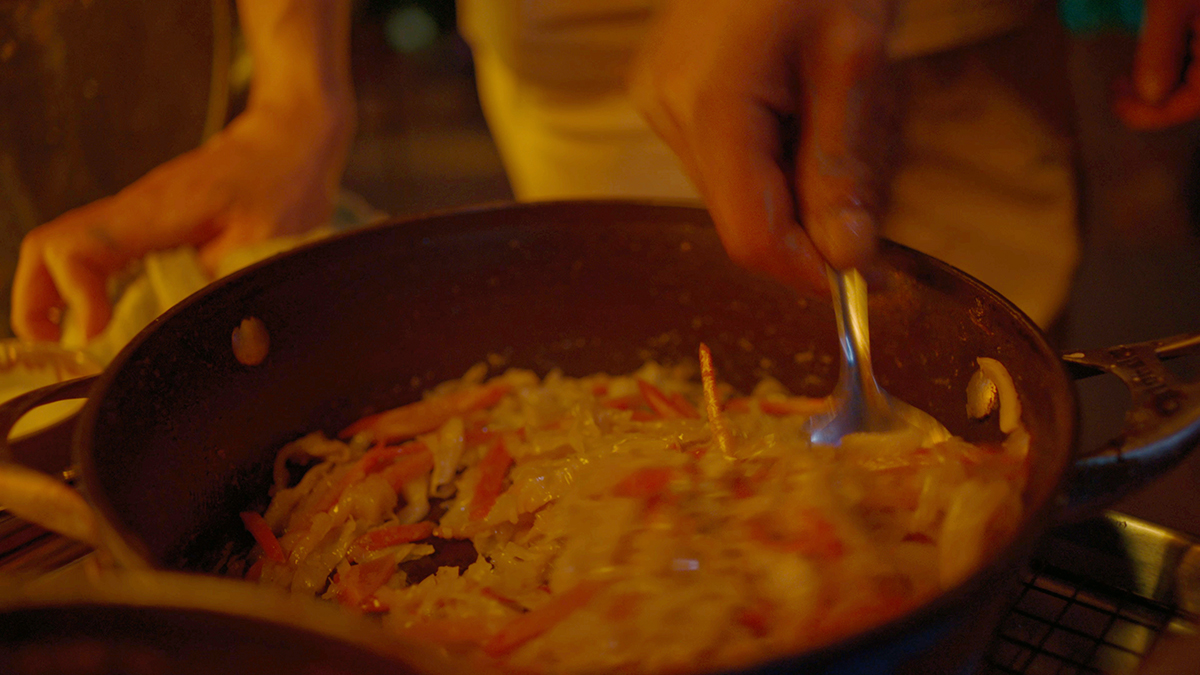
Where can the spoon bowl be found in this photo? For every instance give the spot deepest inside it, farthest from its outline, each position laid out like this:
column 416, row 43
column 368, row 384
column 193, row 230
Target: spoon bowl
column 860, row 405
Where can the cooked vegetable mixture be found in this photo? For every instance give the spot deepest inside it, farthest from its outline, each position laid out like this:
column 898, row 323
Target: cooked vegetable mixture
column 644, row 523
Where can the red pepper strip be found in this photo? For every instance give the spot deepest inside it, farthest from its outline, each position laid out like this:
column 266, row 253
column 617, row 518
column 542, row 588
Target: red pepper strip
column 537, row 621
column 665, row 406
column 390, row 535
column 712, row 404
column 493, row 468
column 795, row 405
column 264, row 536
column 363, row 579
column 423, row 416
column 645, row 483
column 408, row 467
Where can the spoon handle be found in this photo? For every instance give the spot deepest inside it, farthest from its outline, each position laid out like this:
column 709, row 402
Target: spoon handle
column 850, row 309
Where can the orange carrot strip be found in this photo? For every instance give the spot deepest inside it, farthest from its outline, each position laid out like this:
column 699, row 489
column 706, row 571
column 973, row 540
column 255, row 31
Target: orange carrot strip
column 623, row 402
column 426, row 415
column 372, row 461
column 664, row 405
column 646, row 482
column 739, row 405
column 493, row 468
column 363, row 579
column 756, row 617
column 255, row 571
column 408, row 467
column 262, row 533
column 537, row 621
column 809, row 534
column 390, row 535
column 712, row 404
column 795, row 405
column 471, row 630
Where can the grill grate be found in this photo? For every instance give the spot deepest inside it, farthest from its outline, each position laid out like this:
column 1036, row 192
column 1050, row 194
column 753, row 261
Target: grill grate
column 1066, row 624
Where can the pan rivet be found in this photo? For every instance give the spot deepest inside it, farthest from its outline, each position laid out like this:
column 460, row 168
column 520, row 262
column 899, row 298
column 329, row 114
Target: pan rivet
column 251, row 341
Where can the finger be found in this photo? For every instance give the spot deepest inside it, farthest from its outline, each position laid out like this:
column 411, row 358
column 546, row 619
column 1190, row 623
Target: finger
column 838, row 172
column 83, row 283
column 36, row 302
column 1158, row 59
column 1182, row 106
column 750, row 196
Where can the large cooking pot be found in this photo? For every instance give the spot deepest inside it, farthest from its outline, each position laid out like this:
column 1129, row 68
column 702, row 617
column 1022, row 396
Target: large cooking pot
column 137, row 623
column 177, row 436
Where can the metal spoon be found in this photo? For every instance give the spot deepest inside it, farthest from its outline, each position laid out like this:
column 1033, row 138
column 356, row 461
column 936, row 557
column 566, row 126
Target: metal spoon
column 859, row 403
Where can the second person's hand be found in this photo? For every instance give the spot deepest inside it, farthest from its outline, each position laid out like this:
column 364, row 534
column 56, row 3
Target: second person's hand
column 272, row 171
column 780, row 113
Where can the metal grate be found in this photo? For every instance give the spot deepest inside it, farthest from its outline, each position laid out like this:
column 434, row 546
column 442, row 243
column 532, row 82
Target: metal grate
column 1066, row 624
column 29, row 549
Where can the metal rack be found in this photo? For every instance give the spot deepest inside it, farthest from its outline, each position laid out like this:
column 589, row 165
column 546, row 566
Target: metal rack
column 1098, row 597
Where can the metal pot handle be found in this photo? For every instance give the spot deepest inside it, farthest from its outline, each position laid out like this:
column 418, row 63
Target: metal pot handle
column 1162, row 424
column 35, row 496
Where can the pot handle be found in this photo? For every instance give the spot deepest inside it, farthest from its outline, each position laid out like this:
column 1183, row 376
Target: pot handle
column 35, row 496
column 1162, row 424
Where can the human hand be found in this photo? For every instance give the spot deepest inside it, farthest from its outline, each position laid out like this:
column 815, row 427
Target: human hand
column 274, row 170
column 777, row 110
column 270, row 172
column 1160, row 92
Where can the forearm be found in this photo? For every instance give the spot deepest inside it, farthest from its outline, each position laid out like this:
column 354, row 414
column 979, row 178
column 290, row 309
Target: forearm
column 301, row 54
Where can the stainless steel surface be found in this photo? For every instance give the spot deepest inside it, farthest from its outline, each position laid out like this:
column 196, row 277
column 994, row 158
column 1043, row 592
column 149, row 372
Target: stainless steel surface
column 1100, row 597
column 1161, row 424
column 859, row 403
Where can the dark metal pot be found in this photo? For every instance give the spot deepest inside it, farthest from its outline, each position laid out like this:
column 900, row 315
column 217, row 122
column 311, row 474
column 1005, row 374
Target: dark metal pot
column 138, row 623
column 177, row 436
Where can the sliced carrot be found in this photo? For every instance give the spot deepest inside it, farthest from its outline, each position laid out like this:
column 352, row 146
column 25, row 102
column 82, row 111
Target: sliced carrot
column 390, row 535
column 624, row 402
column 426, row 415
column 712, row 404
column 362, row 580
column 646, row 482
column 666, row 406
column 375, row 460
column 262, row 534
column 795, row 405
column 537, row 621
column 255, row 571
column 739, row 405
column 373, row 605
column 408, row 467
column 449, row 631
column 493, row 469
column 757, row 617
column 808, row 534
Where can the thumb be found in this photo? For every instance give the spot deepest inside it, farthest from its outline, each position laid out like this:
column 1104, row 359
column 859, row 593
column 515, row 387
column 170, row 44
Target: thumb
column 847, row 119
column 1158, row 59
